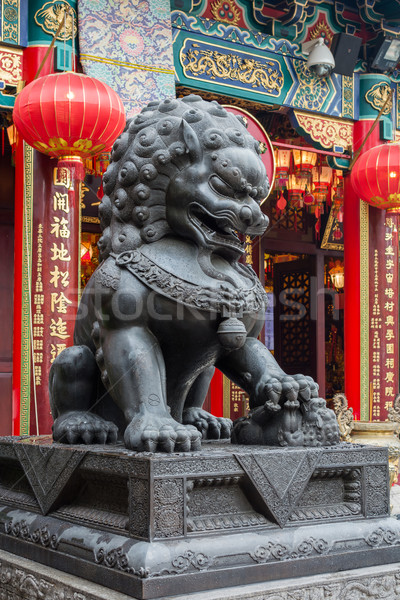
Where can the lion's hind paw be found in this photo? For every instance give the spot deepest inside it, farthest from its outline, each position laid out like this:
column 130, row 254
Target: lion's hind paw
column 161, row 434
column 79, row 427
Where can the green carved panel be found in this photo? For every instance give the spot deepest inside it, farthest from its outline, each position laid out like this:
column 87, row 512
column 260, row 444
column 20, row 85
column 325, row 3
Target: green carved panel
column 215, row 66
column 218, row 58
column 44, row 18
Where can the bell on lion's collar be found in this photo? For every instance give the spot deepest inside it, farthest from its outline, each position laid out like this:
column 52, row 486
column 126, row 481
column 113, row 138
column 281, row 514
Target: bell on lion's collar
column 232, row 333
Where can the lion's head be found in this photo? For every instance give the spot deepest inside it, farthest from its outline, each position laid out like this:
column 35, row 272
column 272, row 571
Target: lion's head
column 183, row 167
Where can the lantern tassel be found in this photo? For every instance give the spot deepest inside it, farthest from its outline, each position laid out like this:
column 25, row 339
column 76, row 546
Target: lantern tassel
column 281, row 204
column 100, row 191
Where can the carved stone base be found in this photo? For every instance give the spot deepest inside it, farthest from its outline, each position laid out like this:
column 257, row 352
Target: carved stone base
column 148, row 525
column 23, row 579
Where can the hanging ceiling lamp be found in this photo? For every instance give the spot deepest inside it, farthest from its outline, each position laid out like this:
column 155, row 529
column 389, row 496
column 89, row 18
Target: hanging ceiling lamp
column 375, row 177
column 296, row 188
column 86, row 251
column 69, row 116
column 338, row 196
column 282, row 166
column 322, row 177
column 304, row 161
column 337, row 275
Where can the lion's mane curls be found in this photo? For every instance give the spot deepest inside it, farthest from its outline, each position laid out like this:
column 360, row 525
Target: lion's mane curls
column 147, row 155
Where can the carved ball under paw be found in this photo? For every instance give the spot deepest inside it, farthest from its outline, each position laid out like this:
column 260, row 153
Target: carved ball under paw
column 246, row 431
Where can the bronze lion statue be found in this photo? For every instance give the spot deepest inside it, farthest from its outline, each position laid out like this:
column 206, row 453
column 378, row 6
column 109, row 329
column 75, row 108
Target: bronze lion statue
column 170, row 300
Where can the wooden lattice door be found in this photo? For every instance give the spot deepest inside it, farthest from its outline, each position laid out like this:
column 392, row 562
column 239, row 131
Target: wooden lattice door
column 294, row 322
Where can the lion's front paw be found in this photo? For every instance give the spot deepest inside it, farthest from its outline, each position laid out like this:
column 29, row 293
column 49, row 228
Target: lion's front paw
column 308, row 388
column 210, row 427
column 273, row 392
column 77, row 427
column 151, row 433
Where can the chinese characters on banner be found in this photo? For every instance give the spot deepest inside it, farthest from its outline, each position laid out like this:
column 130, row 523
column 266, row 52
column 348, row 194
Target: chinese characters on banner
column 383, row 316
column 239, row 401
column 54, row 278
column 248, row 250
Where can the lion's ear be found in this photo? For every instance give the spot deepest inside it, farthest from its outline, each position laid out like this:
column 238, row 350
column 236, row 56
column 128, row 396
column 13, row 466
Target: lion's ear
column 192, row 143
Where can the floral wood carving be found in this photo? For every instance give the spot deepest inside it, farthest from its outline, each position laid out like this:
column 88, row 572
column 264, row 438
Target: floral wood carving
column 326, row 132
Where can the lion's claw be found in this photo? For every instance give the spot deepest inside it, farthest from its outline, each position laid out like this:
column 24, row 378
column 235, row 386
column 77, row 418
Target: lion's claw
column 210, row 427
column 273, row 390
column 271, row 406
column 151, row 433
column 77, row 427
column 308, row 388
column 290, row 388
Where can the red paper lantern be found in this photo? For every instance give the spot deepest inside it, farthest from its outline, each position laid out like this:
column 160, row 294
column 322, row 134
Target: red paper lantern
column 69, row 116
column 375, row 176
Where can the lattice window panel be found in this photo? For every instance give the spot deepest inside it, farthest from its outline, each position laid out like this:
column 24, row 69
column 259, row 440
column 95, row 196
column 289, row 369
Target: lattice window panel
column 295, row 322
column 290, row 219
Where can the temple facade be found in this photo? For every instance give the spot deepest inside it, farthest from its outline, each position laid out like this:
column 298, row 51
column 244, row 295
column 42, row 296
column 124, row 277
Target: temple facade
column 329, row 260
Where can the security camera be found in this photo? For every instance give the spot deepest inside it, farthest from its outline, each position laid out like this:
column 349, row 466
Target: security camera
column 320, row 59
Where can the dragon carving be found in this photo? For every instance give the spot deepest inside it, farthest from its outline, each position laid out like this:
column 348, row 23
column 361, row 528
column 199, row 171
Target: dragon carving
column 228, row 66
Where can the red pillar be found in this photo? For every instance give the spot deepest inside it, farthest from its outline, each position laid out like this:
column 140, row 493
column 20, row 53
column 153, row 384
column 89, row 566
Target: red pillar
column 217, row 394
column 352, row 339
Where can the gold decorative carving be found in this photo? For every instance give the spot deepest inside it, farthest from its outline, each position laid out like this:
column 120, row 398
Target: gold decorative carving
column 10, row 65
column 344, row 416
column 377, row 95
column 10, row 21
column 95, row 220
column 219, row 6
column 394, row 411
column 312, row 91
column 26, row 301
column 331, row 224
column 347, row 96
column 327, row 132
column 216, row 65
column 49, row 16
column 321, row 29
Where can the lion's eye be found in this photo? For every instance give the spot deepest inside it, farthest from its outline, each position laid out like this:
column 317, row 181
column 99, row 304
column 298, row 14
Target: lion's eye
column 221, row 187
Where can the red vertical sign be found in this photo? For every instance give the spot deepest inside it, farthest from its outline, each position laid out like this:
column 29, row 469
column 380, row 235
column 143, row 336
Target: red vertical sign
column 54, row 294
column 383, row 316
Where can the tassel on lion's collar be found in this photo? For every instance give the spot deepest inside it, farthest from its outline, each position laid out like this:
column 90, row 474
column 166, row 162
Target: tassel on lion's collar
column 222, row 299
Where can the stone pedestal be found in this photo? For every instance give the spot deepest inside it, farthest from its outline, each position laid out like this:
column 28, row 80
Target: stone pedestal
column 384, row 434
column 23, row 579
column 150, row 526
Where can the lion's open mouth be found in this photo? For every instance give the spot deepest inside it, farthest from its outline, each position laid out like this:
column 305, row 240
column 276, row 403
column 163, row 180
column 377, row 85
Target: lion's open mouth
column 217, row 231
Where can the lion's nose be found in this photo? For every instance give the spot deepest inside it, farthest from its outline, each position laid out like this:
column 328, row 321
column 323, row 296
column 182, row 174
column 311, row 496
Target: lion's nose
column 246, row 215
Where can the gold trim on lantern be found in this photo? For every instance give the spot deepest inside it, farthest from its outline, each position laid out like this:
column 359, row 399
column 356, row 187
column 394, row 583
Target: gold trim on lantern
column 72, row 158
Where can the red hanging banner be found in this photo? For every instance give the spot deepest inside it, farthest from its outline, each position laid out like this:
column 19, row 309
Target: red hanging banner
column 383, row 314
column 55, row 273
